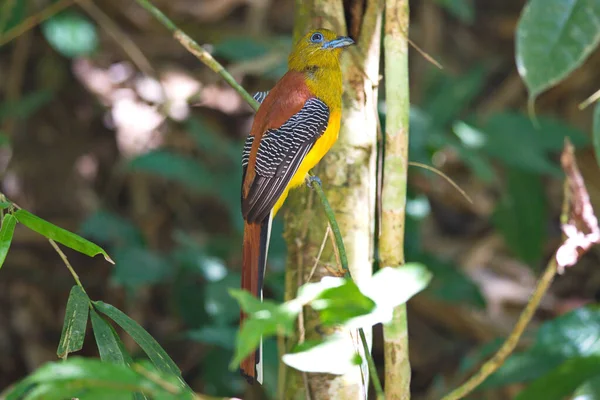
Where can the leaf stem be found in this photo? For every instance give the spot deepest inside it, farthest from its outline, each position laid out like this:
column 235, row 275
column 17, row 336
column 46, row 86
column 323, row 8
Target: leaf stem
column 372, row 369
column 204, row 56
column 67, row 263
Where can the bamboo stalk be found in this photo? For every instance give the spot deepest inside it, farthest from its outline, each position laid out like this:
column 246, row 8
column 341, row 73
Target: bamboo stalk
column 393, row 193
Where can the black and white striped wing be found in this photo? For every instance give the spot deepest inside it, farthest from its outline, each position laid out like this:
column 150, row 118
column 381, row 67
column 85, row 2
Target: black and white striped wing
column 279, row 155
column 260, row 97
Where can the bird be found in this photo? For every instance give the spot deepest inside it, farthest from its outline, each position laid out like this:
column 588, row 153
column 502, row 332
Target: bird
column 296, row 124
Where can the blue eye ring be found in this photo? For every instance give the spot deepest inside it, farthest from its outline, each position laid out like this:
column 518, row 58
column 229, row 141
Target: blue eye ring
column 316, row 37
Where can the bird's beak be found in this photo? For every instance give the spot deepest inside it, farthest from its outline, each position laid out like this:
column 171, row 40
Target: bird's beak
column 338, row 42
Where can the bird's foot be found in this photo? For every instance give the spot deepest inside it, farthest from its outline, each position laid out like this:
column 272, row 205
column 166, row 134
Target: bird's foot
column 312, row 178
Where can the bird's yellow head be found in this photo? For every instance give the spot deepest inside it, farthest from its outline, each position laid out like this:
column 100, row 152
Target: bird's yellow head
column 319, row 48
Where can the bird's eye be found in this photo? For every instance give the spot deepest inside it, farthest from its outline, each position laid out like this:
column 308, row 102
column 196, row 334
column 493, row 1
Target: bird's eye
column 316, row 38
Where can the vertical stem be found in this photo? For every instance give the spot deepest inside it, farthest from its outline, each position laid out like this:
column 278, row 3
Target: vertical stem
column 393, row 194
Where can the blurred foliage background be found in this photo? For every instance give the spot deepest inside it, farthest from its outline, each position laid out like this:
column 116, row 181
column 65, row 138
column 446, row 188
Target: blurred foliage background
column 109, row 128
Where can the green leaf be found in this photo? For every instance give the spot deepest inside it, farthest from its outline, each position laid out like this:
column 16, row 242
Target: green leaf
column 334, row 355
column 521, row 216
column 6, row 234
column 222, row 336
column 240, row 49
column 155, row 352
column 60, row 380
column 449, row 284
column 5, row 204
column 26, row 106
column 513, row 139
column 177, row 168
column 264, row 319
column 60, row 235
column 340, row 304
column 563, row 380
column 589, row 390
column 108, row 227
column 71, row 34
column 596, row 132
column 461, row 9
column 109, row 344
column 575, row 334
column 74, row 327
column 16, row 16
column 136, row 266
column 554, row 37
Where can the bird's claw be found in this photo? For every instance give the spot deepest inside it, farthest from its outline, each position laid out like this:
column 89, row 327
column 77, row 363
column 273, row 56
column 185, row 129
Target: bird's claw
column 312, row 178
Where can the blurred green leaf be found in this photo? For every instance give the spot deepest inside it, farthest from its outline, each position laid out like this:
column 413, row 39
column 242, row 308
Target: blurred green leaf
column 60, row 380
column 575, row 334
column 265, row 319
column 521, row 215
column 15, row 16
column 74, row 327
column 213, row 143
column 589, row 390
column 553, row 38
column 218, row 303
column 222, row 336
column 188, row 298
column 449, row 284
column 155, row 352
column 60, row 235
column 71, row 34
column 334, row 355
column 108, row 227
column 513, row 139
column 109, row 344
column 137, row 266
column 26, row 105
column 461, row 9
column 218, row 379
column 596, row 132
column 6, row 234
column 5, row 204
column 240, row 49
column 447, row 98
column 342, row 303
column 4, row 139
column 563, row 380
column 175, row 167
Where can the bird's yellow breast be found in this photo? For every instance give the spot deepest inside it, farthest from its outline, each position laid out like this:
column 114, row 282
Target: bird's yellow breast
column 321, row 147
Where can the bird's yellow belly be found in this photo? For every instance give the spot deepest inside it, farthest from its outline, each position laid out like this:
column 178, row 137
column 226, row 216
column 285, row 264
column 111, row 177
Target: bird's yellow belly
column 320, row 148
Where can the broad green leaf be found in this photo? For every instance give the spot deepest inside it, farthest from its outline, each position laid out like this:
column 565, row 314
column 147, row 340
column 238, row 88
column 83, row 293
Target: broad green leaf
column 71, row 34
column 177, row 168
column 108, row 227
column 264, row 319
column 521, row 215
column 5, row 204
column 109, row 344
column 596, row 132
column 553, row 38
column 240, row 49
column 223, row 336
column 575, row 334
column 61, row 379
column 461, row 9
column 449, row 284
column 76, row 316
column 6, row 234
column 340, row 304
column 60, row 235
column 16, row 15
column 589, row 390
column 513, row 139
column 334, row 355
column 155, row 352
column 218, row 303
column 136, row 266
column 25, row 106
column 446, row 100
column 563, row 380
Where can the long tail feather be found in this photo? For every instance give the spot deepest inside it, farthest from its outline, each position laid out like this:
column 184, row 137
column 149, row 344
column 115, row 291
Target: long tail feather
column 254, row 260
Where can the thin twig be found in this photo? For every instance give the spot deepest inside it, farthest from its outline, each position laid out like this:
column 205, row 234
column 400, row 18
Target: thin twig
column 511, row 342
column 372, row 368
column 204, row 56
column 593, row 98
column 443, row 175
column 314, row 268
column 67, row 263
column 34, row 20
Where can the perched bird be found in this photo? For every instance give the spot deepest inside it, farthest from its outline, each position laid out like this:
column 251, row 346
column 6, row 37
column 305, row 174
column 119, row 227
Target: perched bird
column 297, row 123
